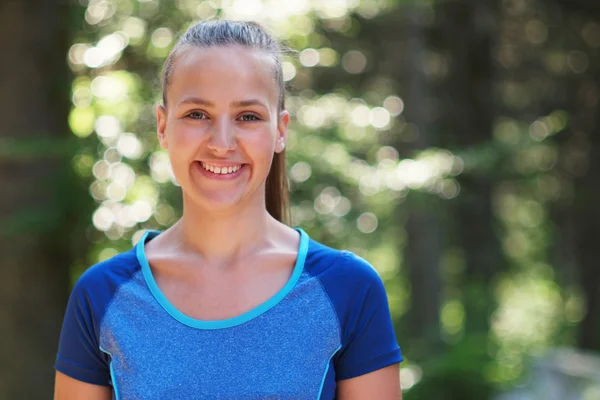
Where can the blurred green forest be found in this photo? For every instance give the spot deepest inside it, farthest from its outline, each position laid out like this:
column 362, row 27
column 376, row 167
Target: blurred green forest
column 454, row 144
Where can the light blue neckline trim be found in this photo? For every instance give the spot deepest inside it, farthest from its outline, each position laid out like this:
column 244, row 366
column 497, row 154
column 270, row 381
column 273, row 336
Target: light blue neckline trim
column 223, row 323
column 326, row 371
column 112, row 373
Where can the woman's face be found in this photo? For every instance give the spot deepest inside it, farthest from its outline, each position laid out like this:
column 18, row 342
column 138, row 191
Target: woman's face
column 221, row 125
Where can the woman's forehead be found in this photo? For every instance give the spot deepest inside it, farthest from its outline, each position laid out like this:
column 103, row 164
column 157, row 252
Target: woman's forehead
column 224, row 71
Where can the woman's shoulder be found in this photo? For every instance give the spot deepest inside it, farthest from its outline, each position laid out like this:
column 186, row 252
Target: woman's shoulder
column 95, row 288
column 108, row 274
column 343, row 267
column 350, row 282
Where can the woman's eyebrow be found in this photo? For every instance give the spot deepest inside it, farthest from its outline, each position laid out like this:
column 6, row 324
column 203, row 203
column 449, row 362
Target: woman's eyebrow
column 246, row 103
column 196, row 101
column 236, row 104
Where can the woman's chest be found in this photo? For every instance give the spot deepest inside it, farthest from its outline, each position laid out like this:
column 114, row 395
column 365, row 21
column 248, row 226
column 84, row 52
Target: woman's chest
column 284, row 353
column 221, row 298
column 222, row 295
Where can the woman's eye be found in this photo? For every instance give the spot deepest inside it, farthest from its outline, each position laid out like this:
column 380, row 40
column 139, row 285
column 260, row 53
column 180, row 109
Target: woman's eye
column 196, row 115
column 249, row 118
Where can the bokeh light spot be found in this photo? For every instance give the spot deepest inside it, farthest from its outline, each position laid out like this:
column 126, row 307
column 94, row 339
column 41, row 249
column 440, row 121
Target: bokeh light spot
column 300, row 171
column 367, row 222
column 394, row 105
column 129, row 146
column 379, row 117
column 289, row 71
column 162, row 37
column 107, row 126
column 309, row 57
column 354, row 62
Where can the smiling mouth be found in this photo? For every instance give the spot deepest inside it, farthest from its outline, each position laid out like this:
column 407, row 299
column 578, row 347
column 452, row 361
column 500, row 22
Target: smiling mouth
column 220, row 170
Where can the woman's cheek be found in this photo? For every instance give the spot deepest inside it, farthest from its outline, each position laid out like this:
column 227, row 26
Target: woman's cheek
column 260, row 140
column 186, row 136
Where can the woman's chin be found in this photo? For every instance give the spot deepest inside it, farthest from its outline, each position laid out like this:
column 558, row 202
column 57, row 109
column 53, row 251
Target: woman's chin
column 218, row 202
column 219, row 196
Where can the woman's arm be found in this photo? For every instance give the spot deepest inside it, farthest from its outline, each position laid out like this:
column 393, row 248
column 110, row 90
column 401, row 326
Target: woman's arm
column 383, row 384
column 67, row 388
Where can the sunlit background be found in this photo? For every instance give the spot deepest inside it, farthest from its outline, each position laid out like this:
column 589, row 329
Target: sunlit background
column 453, row 144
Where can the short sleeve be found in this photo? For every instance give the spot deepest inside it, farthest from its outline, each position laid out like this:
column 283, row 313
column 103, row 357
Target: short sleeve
column 368, row 337
column 79, row 355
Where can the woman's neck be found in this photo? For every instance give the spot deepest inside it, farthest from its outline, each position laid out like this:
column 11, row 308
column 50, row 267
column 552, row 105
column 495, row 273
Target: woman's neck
column 220, row 238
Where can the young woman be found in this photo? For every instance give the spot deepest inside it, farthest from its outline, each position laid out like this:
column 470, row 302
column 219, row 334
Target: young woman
column 229, row 302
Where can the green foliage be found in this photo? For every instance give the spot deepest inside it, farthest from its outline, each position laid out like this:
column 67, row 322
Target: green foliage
column 457, row 374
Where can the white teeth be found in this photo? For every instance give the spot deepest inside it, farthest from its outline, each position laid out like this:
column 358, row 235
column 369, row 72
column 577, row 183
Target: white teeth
column 219, row 170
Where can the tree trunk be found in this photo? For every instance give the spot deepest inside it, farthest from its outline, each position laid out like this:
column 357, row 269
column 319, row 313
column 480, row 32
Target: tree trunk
column 467, row 33
column 580, row 150
column 35, row 219
column 586, row 135
column 424, row 245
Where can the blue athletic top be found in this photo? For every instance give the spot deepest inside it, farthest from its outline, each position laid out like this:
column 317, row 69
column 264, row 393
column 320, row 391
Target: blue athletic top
column 331, row 321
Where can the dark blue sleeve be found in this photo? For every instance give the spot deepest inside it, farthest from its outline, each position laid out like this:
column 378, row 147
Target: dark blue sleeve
column 79, row 355
column 358, row 295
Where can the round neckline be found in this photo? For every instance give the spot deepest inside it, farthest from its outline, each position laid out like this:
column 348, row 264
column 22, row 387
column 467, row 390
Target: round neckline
column 221, row 323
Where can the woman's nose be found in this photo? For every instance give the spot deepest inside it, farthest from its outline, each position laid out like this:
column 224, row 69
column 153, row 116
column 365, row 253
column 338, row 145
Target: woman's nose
column 222, row 139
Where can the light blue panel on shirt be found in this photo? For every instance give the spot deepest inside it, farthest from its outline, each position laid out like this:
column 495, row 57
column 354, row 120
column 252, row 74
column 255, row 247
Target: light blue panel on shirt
column 282, row 353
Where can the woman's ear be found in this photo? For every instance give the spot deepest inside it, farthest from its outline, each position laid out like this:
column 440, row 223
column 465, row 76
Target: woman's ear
column 282, row 130
column 161, row 125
